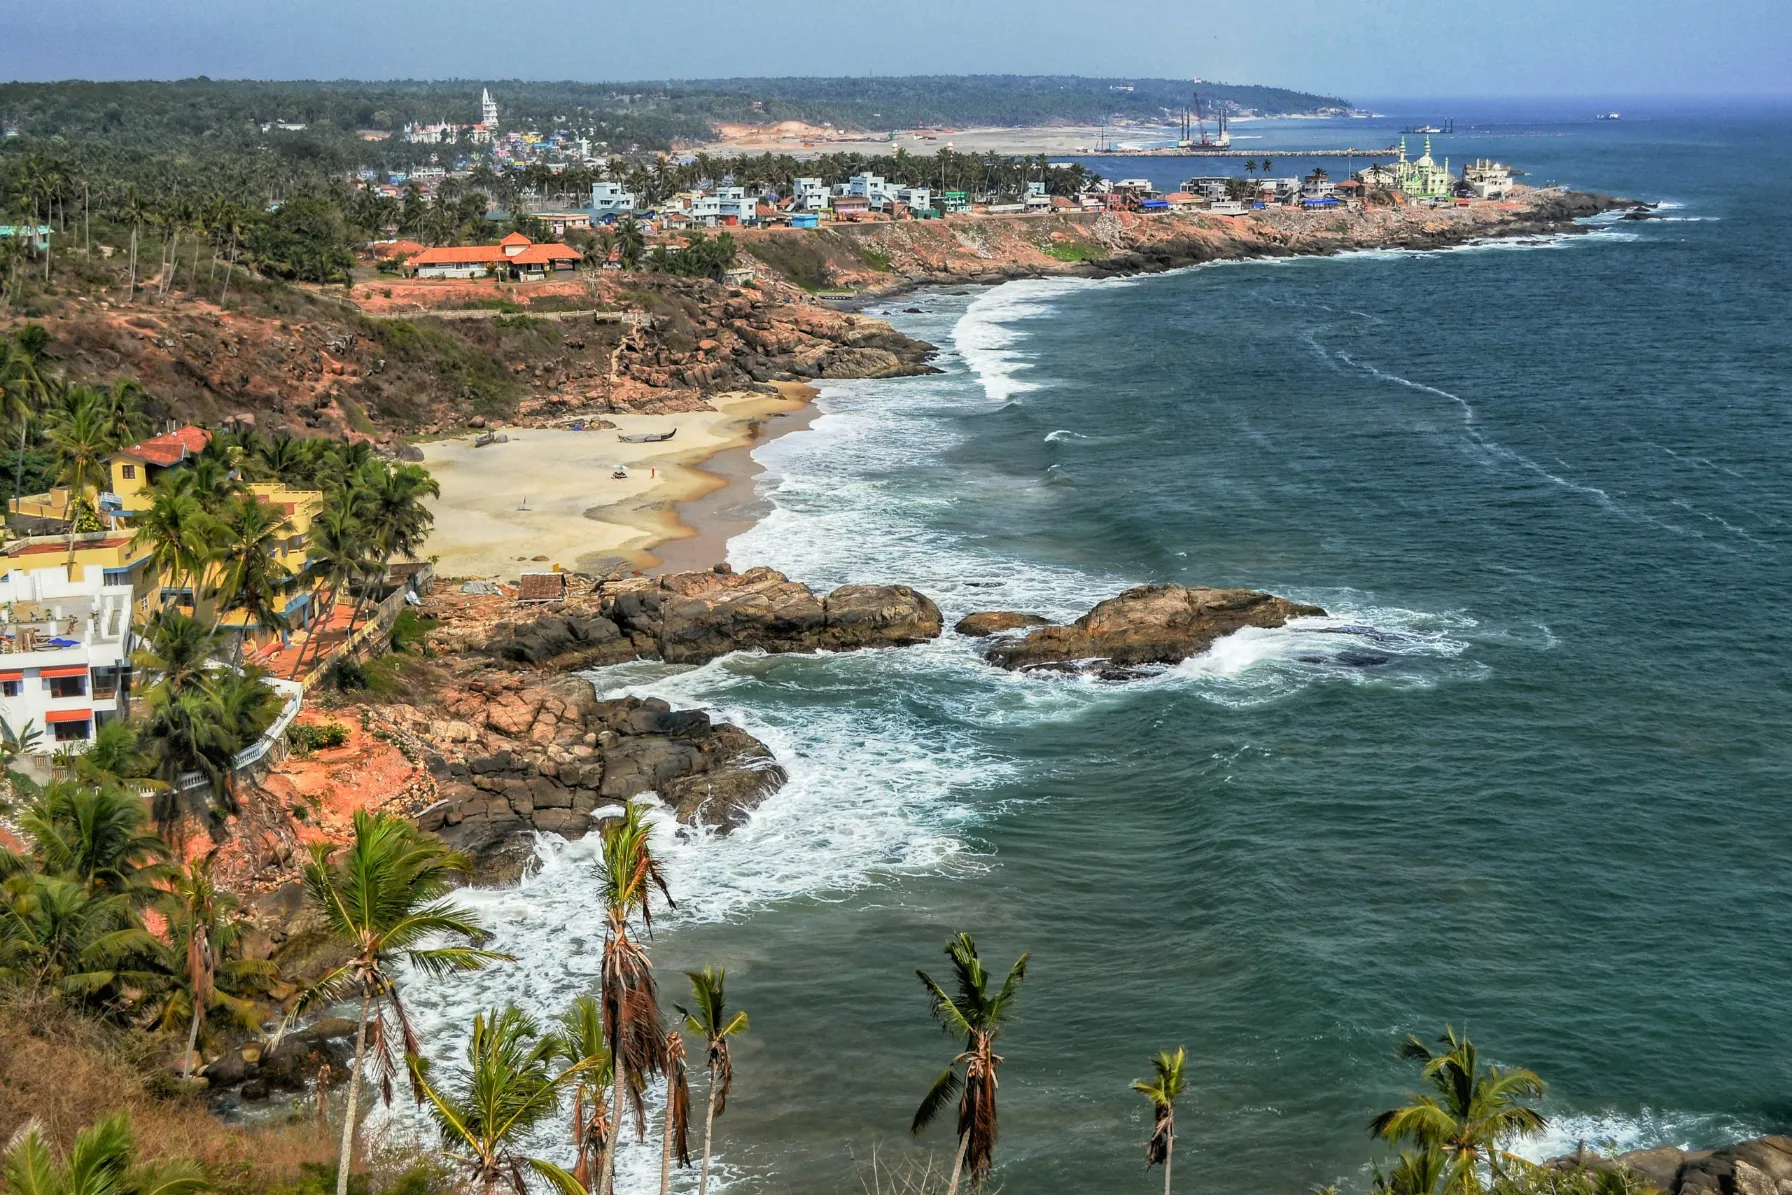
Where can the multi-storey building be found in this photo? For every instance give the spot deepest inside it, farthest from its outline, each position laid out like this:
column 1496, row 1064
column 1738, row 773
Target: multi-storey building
column 65, row 645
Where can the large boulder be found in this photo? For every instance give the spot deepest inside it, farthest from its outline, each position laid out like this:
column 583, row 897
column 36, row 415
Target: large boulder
column 1150, row 624
column 690, row 618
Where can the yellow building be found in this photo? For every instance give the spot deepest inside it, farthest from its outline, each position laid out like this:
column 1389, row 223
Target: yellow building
column 133, row 473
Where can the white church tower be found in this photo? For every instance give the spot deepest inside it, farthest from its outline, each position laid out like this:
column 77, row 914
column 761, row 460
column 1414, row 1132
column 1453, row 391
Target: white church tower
column 488, row 109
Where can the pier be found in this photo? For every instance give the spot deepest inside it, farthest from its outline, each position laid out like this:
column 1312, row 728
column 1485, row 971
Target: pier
column 1391, row 151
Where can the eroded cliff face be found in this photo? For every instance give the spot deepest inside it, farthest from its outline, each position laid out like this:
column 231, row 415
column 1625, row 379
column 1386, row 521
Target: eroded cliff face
column 297, row 360
column 879, row 257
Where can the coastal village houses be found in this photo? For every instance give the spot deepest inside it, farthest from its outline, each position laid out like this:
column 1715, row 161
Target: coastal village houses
column 516, row 257
column 109, row 556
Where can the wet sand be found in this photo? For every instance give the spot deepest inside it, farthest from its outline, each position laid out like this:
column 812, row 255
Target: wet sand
column 548, row 496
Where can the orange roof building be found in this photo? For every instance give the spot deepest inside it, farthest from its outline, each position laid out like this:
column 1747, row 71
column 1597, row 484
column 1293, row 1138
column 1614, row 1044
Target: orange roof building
column 516, row 256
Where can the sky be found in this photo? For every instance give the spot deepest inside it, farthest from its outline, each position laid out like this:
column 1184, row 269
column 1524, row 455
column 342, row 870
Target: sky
column 1355, row 48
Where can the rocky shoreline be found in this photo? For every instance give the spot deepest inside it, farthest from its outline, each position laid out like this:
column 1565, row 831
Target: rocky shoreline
column 996, row 249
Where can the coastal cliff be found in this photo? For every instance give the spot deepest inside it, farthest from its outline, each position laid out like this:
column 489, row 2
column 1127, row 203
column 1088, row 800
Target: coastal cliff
column 885, row 257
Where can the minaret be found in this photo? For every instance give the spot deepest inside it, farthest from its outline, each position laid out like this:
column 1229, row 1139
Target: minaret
column 1403, row 148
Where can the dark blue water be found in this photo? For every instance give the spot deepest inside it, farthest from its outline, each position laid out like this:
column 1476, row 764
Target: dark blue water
column 1530, row 775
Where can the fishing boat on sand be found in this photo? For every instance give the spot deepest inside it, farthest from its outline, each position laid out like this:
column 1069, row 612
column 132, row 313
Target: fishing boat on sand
column 491, row 438
column 648, row 437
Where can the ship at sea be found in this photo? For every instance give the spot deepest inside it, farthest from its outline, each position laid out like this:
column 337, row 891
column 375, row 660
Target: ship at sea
column 1448, row 126
column 1607, row 116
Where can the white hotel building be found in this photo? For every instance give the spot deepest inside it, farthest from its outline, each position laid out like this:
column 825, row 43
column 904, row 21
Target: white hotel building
column 65, row 653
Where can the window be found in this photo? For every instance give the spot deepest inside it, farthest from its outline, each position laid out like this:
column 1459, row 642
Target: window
column 70, row 732
column 128, row 472
column 11, row 688
column 67, row 686
column 118, row 576
column 105, row 685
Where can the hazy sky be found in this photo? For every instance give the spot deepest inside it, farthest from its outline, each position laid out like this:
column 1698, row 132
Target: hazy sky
column 1358, row 48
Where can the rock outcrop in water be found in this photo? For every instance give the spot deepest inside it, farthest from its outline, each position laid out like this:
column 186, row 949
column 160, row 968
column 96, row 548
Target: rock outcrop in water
column 994, row 622
column 1150, row 624
column 542, row 757
column 690, row 618
column 1762, row 1166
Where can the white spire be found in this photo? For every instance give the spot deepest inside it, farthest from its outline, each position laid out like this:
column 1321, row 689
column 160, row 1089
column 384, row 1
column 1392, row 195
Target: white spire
column 488, row 109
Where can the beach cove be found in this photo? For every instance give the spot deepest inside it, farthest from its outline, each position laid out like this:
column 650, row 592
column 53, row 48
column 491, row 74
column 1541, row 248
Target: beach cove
column 546, row 492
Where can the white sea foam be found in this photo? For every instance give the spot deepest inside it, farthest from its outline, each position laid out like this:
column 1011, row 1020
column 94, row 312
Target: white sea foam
column 987, row 339
column 1616, row 1132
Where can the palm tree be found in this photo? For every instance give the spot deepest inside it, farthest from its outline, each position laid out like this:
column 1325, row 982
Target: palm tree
column 102, row 1162
column 980, row 1017
column 712, row 1023
column 382, row 901
column 14, row 743
column 96, row 835
column 397, row 521
column 628, row 876
column 582, row 1043
column 1469, row 1114
column 507, row 1088
column 177, row 648
column 185, row 733
column 54, row 932
column 82, row 440
column 1162, row 1089
column 340, row 555
column 1266, row 164
column 250, row 574
column 180, row 536
column 202, row 932
column 134, row 210
column 678, row 1111
column 22, row 392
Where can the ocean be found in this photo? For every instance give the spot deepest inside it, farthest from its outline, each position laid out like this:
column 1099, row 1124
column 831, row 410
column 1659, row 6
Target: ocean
column 1529, row 776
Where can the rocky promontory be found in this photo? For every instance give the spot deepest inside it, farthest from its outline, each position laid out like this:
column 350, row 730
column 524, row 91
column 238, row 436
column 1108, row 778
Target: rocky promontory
column 1150, row 624
column 1761, row 1166
column 693, row 617
column 559, row 753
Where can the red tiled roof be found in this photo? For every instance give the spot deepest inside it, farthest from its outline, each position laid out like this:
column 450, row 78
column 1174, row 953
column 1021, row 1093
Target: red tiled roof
column 172, row 448
column 450, row 255
column 35, row 549
column 516, row 238
column 545, row 255
column 398, row 249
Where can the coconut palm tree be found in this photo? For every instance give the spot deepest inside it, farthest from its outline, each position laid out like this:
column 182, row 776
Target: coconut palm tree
column 383, row 901
column 507, row 1087
column 711, row 1022
column 54, row 932
column 97, row 836
column 202, row 936
column 1470, row 1113
column 102, row 1162
column 340, row 555
column 249, row 572
column 23, row 388
column 980, row 1017
column 583, row 1045
column 81, row 438
column 678, row 1111
column 133, row 209
column 17, row 742
column 180, row 537
column 185, row 732
column 1162, row 1089
column 628, row 876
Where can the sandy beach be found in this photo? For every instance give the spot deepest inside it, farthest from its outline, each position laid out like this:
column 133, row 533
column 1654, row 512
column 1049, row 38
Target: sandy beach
column 548, row 496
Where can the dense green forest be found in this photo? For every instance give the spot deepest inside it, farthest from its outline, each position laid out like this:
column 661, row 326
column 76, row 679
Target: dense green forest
column 197, row 116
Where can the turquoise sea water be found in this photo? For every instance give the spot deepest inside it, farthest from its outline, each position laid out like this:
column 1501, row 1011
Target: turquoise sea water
column 1530, row 774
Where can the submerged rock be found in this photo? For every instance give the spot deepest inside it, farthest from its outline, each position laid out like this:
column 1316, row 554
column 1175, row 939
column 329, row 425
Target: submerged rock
column 994, row 622
column 1150, row 624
